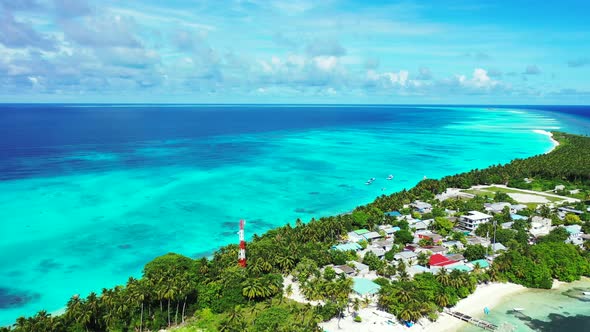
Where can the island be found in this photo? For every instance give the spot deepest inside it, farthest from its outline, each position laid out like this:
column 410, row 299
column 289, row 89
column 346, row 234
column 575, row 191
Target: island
column 407, row 258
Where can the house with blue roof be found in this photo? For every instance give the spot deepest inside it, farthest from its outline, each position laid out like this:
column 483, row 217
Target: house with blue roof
column 364, row 287
column 347, row 246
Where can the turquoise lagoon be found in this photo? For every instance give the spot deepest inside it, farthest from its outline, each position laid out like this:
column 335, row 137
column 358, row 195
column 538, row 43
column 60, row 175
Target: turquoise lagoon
column 87, row 211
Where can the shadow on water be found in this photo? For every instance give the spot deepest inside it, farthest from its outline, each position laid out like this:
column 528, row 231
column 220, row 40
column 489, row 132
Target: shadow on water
column 557, row 322
column 12, row 298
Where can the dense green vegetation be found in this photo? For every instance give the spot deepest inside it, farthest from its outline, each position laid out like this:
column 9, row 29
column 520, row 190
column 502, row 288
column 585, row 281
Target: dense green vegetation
column 219, row 295
column 426, row 294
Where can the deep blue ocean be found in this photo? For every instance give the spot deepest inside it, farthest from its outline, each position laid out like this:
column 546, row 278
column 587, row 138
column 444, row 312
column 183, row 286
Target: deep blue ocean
column 90, row 193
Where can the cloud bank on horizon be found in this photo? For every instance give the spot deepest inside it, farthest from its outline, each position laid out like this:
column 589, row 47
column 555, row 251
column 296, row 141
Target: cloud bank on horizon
column 294, row 51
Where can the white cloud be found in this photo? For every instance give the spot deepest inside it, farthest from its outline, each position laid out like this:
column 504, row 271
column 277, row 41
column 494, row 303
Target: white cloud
column 388, row 79
column 326, row 63
column 479, row 80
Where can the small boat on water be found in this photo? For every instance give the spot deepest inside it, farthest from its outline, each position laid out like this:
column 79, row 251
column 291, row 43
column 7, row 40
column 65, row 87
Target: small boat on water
column 586, row 293
column 390, row 177
column 517, row 309
column 370, row 181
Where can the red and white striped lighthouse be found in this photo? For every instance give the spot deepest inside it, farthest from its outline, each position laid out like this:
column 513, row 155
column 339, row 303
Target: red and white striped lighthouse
column 242, row 253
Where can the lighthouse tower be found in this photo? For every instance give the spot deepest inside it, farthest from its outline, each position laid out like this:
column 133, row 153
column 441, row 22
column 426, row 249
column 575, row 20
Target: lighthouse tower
column 242, row 253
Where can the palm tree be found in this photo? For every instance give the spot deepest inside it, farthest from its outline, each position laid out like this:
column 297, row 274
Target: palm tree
column 185, row 286
column 356, row 304
column 137, row 294
column 403, row 276
column 404, row 295
column 406, row 314
column 285, row 262
column 289, row 290
column 169, row 294
column 93, row 304
column 443, row 277
column 442, row 299
column 252, row 289
column 73, row 307
column 423, row 259
column 234, row 318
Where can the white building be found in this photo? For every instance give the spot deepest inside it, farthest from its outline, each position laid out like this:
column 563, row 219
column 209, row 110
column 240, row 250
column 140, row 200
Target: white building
column 498, row 247
column 354, row 237
column 422, row 207
column 473, row 219
column 496, row 207
column 406, row 256
column 360, row 267
column 540, row 226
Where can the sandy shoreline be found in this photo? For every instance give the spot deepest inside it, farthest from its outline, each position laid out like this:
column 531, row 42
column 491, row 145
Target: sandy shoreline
column 550, row 135
column 488, row 296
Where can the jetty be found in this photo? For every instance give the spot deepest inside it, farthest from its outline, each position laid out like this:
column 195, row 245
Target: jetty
column 473, row 321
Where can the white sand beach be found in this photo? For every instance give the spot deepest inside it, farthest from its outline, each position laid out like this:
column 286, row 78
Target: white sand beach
column 485, row 296
column 374, row 320
column 550, row 135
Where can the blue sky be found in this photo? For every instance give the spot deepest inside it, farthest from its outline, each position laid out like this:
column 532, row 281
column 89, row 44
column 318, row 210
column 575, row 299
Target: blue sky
column 291, row 51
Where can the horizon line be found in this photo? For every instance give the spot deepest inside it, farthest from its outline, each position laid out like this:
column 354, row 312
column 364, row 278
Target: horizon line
column 285, row 104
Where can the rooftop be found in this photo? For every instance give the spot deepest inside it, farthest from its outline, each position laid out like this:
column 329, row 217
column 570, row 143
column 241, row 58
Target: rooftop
column 570, row 210
column 406, row 254
column 361, row 231
column 476, row 215
column 461, row 267
column 573, row 229
column 371, row 235
column 482, row 263
column 364, row 286
column 393, row 214
column 344, row 268
column 359, row 266
column 440, row 260
column 347, row 246
column 498, row 246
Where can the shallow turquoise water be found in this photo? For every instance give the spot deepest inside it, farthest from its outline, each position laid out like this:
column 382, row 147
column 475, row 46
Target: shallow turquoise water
column 544, row 310
column 92, row 228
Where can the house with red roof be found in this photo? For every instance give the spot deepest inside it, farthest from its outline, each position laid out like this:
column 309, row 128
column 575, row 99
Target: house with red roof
column 440, row 260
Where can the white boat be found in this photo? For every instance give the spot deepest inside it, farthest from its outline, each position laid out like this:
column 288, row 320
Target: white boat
column 586, row 293
column 517, row 309
column 390, row 177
